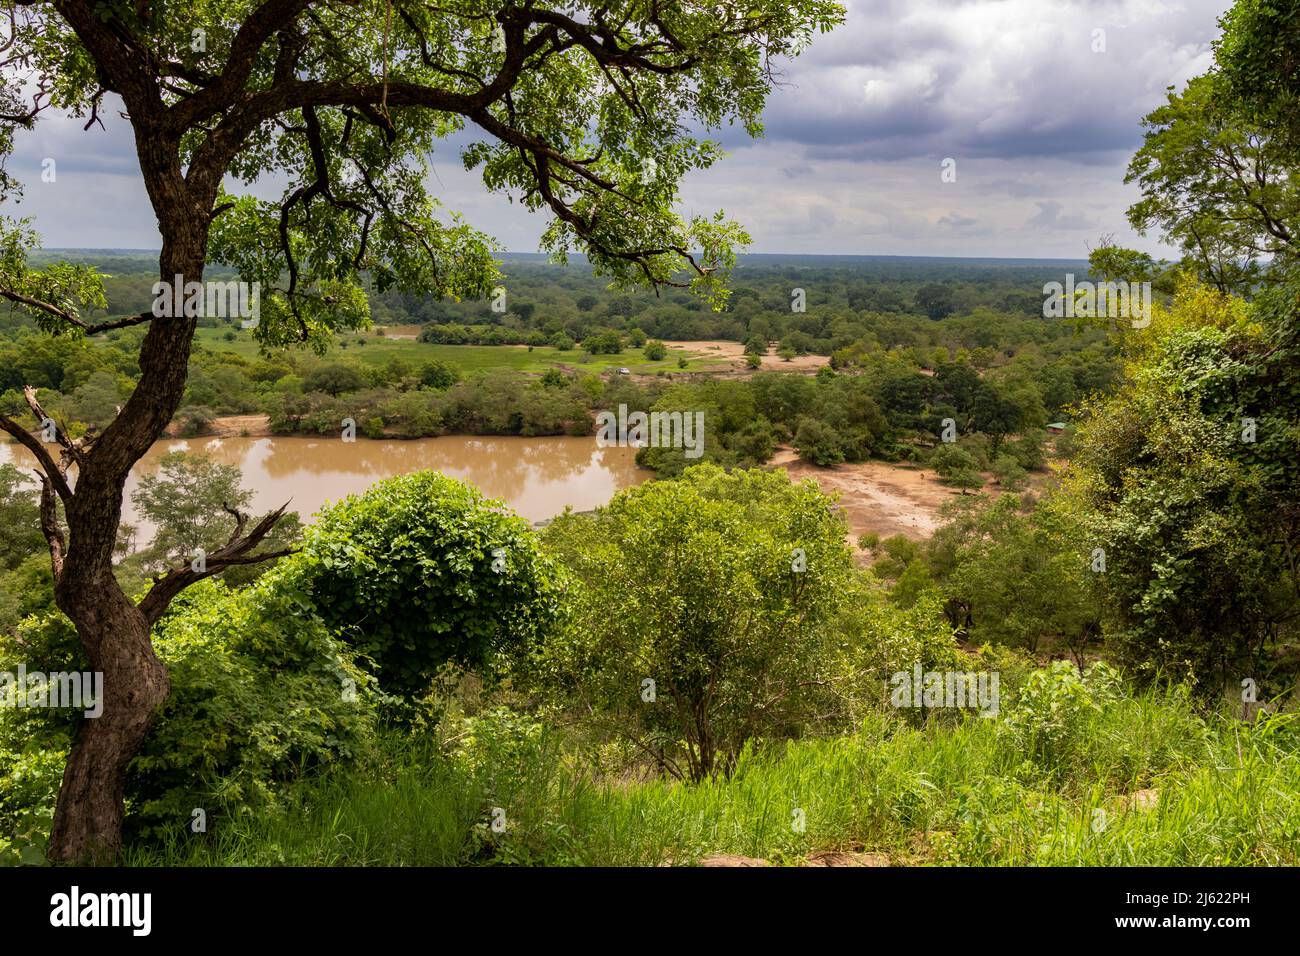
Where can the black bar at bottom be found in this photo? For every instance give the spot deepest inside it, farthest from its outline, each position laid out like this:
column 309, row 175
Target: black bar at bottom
column 577, row 905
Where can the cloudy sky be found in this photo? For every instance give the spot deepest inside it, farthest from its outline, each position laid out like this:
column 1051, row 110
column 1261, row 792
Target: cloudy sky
column 1037, row 103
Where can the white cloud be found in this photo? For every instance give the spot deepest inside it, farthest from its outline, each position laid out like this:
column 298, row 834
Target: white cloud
column 1041, row 127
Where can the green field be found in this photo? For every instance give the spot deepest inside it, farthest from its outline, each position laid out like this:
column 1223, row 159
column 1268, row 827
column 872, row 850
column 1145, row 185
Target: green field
column 469, row 358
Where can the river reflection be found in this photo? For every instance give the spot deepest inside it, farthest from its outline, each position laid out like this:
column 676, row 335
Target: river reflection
column 537, row 477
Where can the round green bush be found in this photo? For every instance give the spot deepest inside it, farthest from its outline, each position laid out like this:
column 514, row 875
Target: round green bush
column 422, row 571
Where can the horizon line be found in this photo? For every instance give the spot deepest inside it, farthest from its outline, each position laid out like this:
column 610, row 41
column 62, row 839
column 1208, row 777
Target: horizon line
column 739, row 255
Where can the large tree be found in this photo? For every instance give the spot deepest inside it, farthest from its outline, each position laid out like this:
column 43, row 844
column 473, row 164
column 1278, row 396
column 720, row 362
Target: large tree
column 1218, row 165
column 582, row 110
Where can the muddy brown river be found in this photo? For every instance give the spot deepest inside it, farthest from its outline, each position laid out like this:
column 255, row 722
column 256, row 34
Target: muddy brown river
column 537, row 477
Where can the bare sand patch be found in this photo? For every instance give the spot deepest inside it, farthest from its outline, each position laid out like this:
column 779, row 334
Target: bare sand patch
column 402, row 332
column 877, row 496
column 230, row 426
column 733, row 355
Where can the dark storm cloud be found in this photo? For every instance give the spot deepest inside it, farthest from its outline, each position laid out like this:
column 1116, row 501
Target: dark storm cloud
column 988, row 78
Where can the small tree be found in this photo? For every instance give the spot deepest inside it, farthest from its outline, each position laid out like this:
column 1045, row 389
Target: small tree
column 955, row 466
column 196, row 506
column 1009, row 473
column 818, row 442
column 700, row 613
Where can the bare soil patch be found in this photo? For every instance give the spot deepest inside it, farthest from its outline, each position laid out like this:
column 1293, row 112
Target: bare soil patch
column 731, row 859
column 733, row 355
column 877, row 496
column 846, row 858
column 406, row 332
column 818, row 858
column 230, row 426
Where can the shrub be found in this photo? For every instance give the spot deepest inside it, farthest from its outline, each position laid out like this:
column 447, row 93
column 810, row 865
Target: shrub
column 955, row 466
column 1050, row 713
column 818, row 442
column 438, row 375
column 196, row 420
column 261, row 694
column 422, row 571
column 1009, row 473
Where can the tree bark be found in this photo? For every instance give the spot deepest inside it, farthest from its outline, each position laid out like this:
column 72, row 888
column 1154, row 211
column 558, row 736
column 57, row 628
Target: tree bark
column 114, row 632
column 88, row 818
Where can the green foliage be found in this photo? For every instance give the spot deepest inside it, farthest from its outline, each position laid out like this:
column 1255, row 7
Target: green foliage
column 334, row 379
column 939, row 794
column 1009, row 473
column 603, row 343
column 1256, row 57
column 422, row 571
column 935, row 301
column 1051, row 710
column 818, row 442
column 262, row 695
column 955, row 465
column 1187, row 476
column 20, row 528
column 184, row 500
column 438, row 375
column 1112, row 263
column 692, row 584
column 1217, row 165
column 73, row 288
column 1018, row 578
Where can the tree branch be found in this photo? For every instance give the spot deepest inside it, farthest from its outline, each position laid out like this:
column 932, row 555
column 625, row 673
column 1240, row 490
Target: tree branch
column 236, row 552
column 55, row 473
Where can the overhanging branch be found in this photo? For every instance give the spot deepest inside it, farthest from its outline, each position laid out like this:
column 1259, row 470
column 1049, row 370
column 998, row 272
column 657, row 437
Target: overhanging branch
column 236, row 552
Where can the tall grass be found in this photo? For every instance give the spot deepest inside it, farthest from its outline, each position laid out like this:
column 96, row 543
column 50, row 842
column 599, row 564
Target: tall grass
column 969, row 794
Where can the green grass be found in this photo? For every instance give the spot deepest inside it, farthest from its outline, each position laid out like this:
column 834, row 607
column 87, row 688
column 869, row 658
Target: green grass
column 1229, row 794
column 470, row 358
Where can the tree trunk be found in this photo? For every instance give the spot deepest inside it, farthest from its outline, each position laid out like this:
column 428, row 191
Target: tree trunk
column 114, row 632
column 88, row 819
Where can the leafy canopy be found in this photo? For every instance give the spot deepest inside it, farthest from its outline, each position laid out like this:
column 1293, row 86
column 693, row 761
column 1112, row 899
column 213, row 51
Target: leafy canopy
column 589, row 112
column 718, row 587
column 422, row 571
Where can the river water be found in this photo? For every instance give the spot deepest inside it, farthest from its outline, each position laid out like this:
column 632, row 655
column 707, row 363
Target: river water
column 537, row 477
